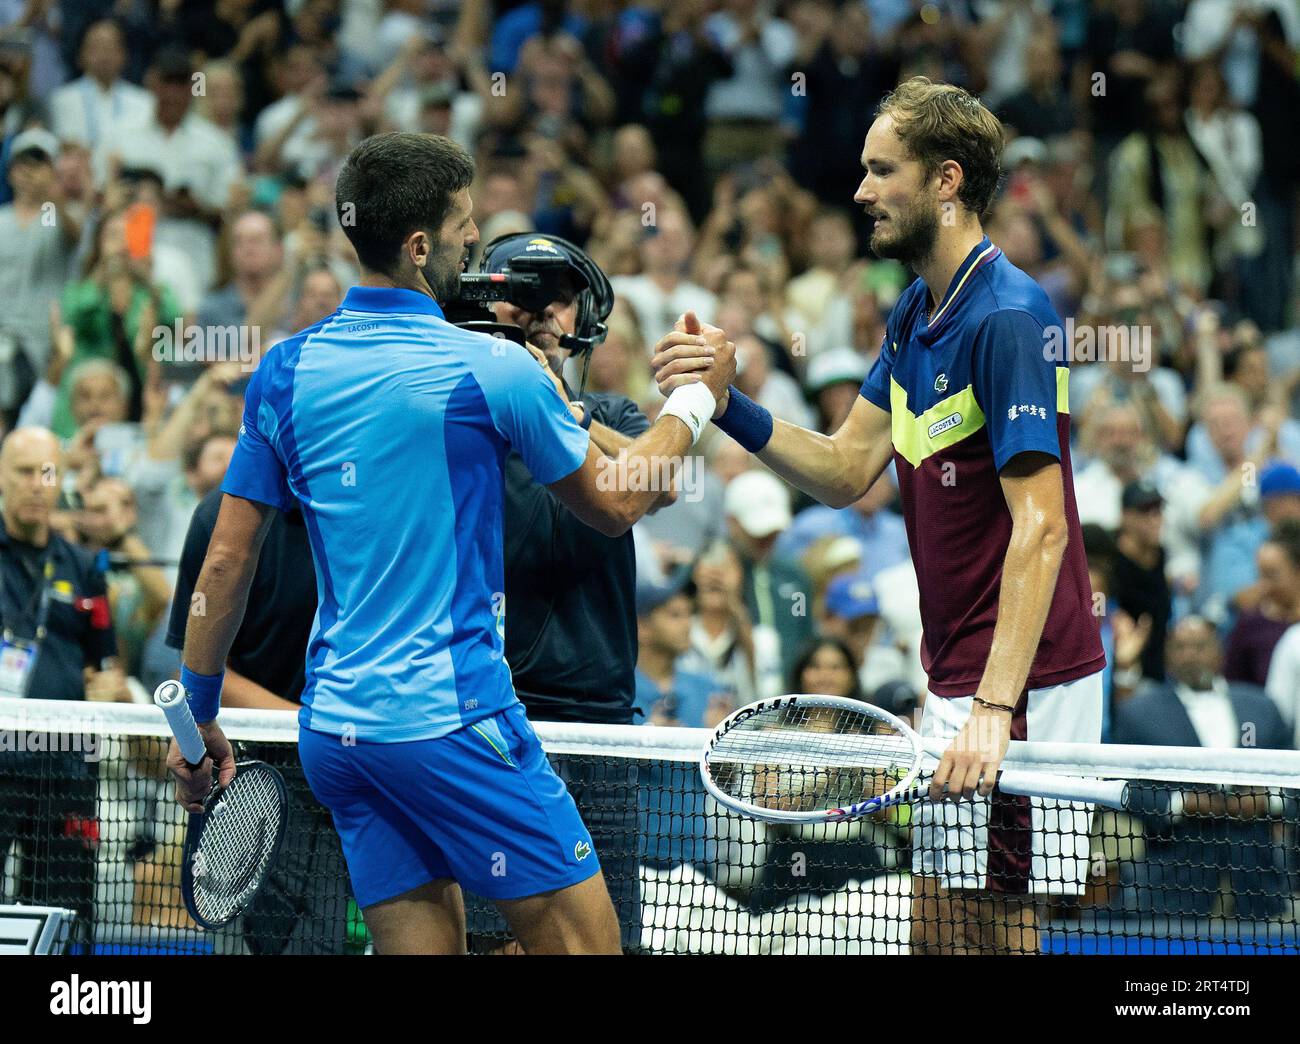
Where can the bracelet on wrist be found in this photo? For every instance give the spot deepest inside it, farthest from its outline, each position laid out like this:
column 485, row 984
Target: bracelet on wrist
column 994, row 706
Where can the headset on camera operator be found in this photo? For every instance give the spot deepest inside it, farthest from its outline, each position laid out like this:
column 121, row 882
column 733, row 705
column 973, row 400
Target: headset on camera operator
column 546, row 292
column 570, row 613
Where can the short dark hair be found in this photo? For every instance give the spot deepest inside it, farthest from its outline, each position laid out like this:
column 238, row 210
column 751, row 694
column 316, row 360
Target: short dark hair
column 396, row 184
column 811, row 649
column 192, row 449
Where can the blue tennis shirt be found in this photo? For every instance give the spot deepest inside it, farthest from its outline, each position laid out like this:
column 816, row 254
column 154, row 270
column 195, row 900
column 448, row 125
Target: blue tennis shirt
column 389, row 427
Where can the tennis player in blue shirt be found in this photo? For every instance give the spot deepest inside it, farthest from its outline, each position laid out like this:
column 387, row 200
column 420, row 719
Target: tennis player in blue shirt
column 389, row 427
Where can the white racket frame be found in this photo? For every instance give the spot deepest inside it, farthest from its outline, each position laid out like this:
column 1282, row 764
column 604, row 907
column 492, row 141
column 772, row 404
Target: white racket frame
column 1110, row 793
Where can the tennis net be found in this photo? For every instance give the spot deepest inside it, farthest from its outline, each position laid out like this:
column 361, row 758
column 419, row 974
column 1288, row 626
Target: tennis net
column 1204, row 859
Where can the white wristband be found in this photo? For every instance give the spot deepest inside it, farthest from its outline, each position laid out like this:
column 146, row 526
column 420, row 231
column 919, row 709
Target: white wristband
column 692, row 404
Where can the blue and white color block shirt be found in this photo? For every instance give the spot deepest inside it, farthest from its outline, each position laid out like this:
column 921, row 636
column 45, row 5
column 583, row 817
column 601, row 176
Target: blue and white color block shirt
column 389, row 427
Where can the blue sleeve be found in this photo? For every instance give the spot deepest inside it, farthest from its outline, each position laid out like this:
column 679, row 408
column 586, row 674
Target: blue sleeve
column 875, row 388
column 256, row 472
column 1015, row 386
column 530, row 416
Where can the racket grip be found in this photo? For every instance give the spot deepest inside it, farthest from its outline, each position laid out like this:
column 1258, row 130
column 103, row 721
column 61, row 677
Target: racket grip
column 1112, row 793
column 170, row 696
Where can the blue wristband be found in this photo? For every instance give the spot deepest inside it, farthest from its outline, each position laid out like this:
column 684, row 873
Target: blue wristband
column 746, row 421
column 203, row 693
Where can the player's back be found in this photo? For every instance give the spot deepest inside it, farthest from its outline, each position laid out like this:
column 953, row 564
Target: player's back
column 391, row 428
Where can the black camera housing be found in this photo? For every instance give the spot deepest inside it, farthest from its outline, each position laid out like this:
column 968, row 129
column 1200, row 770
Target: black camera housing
column 531, row 283
column 532, row 279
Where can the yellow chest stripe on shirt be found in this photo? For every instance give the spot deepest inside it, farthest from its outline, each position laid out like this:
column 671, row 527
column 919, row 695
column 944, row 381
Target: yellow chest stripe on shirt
column 948, row 421
column 945, row 423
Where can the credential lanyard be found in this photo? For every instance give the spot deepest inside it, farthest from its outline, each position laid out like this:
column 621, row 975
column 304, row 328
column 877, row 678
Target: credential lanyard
column 42, row 597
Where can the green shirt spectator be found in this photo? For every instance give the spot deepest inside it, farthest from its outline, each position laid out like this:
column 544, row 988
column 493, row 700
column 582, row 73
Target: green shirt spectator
column 102, row 332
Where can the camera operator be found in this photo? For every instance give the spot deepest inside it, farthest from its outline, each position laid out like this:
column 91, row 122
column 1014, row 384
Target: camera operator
column 570, row 633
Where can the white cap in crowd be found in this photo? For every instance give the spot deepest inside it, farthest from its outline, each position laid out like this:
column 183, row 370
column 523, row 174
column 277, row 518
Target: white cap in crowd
column 759, row 502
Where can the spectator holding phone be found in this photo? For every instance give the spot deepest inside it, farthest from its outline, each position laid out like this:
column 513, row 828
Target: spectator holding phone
column 98, row 401
column 114, row 310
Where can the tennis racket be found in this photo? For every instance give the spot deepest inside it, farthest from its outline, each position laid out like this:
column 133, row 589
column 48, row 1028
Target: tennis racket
column 231, row 845
column 817, row 759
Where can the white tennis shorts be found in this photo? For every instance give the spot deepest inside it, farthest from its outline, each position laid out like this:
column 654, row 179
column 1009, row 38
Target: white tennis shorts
column 1007, row 843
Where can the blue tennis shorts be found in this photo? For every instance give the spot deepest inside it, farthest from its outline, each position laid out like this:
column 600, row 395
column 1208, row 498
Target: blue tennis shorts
column 481, row 805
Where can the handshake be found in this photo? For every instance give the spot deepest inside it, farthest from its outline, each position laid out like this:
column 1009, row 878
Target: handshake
column 694, row 352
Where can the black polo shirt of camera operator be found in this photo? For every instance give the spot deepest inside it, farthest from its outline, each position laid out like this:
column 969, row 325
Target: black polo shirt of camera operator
column 570, row 596
column 270, row 647
column 78, row 624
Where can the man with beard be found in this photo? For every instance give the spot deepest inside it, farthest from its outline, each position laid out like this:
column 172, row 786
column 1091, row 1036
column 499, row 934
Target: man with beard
column 388, row 428
column 570, row 590
column 976, row 417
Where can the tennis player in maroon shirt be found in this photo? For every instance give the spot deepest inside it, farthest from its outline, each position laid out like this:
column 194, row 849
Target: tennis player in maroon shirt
column 973, row 408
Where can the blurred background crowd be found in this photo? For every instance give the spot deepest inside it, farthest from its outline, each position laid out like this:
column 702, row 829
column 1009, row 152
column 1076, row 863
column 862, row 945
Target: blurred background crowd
column 170, row 164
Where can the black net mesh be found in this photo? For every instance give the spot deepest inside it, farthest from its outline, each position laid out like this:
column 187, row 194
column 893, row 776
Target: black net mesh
column 1186, row 869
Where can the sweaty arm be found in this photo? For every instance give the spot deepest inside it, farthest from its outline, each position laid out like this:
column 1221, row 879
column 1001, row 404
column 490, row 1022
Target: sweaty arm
column 1033, row 487
column 224, row 581
column 606, row 493
column 611, row 493
column 611, row 442
column 834, row 469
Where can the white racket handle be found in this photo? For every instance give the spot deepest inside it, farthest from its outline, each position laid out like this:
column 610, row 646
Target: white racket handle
column 170, row 696
column 1112, row 793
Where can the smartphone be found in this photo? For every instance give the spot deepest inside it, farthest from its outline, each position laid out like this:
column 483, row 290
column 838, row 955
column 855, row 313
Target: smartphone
column 140, row 221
